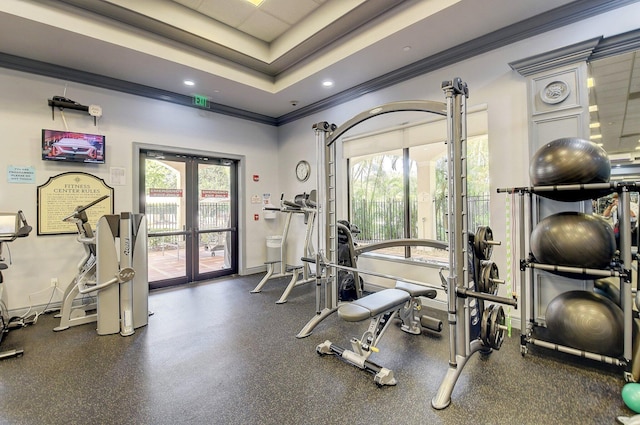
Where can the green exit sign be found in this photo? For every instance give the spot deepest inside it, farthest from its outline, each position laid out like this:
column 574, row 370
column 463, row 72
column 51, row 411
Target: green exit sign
column 200, row 100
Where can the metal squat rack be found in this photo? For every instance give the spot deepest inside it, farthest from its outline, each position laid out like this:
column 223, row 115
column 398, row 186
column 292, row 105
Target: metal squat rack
column 462, row 294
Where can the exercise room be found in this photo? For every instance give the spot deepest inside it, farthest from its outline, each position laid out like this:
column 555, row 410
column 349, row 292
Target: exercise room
column 319, row 212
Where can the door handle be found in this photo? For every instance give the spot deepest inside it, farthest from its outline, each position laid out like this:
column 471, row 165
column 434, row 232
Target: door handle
column 190, row 232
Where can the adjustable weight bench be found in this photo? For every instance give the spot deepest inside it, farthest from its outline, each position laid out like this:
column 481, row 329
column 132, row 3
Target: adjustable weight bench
column 381, row 307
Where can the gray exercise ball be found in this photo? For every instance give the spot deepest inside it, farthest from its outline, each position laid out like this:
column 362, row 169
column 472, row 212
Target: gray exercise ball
column 573, row 239
column 570, row 160
column 586, row 321
column 608, row 287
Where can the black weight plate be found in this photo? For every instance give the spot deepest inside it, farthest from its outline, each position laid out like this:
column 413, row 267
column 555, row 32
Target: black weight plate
column 496, row 319
column 488, row 273
column 481, row 248
column 484, row 327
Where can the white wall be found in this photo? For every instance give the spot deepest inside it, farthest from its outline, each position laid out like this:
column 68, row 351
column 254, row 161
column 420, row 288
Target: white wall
column 491, row 81
column 126, row 119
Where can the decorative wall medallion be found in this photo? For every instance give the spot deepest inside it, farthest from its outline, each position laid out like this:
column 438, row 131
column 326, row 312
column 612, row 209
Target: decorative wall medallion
column 555, row 92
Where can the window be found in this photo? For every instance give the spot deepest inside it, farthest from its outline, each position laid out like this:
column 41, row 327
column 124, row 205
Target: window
column 377, row 196
column 402, row 192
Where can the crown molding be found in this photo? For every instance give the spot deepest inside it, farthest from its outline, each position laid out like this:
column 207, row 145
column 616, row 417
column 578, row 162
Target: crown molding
column 553, row 19
column 46, row 69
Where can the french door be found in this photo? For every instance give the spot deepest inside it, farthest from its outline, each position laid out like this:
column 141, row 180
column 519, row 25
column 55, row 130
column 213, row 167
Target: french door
column 190, row 203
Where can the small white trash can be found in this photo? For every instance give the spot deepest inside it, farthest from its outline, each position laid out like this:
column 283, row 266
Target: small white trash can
column 274, row 243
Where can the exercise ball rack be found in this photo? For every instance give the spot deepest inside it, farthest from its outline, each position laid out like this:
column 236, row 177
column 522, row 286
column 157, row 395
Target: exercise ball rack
column 532, row 332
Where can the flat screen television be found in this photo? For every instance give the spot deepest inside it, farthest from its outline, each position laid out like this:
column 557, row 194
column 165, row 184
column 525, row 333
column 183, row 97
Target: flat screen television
column 67, row 146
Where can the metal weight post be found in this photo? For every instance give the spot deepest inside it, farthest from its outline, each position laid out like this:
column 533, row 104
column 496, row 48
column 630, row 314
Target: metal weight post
column 455, row 93
column 326, row 241
column 459, row 289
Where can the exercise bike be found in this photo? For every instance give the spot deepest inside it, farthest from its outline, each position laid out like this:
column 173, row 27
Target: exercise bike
column 12, row 227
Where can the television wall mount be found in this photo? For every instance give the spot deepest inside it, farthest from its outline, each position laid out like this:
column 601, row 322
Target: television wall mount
column 65, row 103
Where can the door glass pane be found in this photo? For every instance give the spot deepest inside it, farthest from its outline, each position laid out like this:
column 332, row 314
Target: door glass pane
column 214, row 252
column 214, row 216
column 165, row 212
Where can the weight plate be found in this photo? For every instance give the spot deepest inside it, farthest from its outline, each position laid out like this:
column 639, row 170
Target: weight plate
column 481, row 248
column 497, row 320
column 488, row 275
column 491, row 332
column 484, row 325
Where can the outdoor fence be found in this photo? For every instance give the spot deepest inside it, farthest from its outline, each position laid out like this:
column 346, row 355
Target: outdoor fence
column 384, row 220
column 165, row 217
column 377, row 220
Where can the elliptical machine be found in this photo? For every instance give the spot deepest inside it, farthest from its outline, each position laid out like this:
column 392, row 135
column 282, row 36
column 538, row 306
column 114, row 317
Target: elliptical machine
column 12, row 227
column 86, row 276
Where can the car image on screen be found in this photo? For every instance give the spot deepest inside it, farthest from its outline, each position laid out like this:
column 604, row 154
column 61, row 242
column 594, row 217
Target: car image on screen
column 73, row 149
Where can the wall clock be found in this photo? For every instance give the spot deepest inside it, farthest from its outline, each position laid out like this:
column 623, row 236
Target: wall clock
column 303, row 171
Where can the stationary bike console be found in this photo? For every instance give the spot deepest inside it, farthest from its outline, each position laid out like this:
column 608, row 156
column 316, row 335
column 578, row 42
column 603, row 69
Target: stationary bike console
column 12, row 227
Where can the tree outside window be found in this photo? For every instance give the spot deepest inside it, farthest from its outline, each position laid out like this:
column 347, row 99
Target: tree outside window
column 383, row 191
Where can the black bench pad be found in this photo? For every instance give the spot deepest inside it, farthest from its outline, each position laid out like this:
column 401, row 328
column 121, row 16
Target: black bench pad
column 373, row 305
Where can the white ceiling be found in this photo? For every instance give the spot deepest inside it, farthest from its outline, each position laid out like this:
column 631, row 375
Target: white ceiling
column 267, row 22
column 255, row 59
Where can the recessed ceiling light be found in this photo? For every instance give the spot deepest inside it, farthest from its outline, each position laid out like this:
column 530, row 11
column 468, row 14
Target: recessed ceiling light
column 256, row 3
column 593, row 108
column 189, row 83
column 327, row 83
column 594, row 125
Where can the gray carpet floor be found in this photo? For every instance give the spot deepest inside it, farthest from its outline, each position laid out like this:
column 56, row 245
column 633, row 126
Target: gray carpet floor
column 215, row 354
